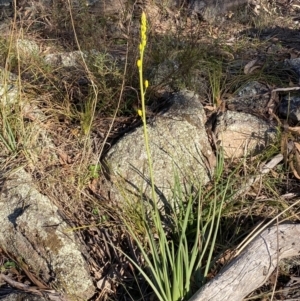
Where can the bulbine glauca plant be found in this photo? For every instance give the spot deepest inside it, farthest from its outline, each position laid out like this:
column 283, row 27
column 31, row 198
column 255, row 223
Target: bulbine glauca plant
column 173, row 264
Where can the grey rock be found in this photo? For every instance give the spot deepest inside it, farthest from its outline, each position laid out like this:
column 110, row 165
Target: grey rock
column 242, row 134
column 252, row 89
column 169, row 76
column 289, row 108
column 22, row 296
column 162, row 74
column 294, row 64
column 32, row 229
column 178, row 145
column 65, row 59
column 9, row 89
column 8, row 93
column 287, row 264
column 239, row 131
column 210, row 9
column 8, row 293
column 250, row 98
column 105, row 7
column 290, row 266
column 27, row 47
column 108, row 7
column 5, row 3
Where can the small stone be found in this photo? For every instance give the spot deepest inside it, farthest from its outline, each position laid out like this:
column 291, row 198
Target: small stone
column 289, row 108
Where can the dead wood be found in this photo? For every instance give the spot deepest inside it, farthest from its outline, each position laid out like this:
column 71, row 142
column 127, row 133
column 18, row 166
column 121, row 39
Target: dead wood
column 254, row 266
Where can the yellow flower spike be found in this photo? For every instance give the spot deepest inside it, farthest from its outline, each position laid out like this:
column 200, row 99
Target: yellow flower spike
column 143, row 86
column 143, row 19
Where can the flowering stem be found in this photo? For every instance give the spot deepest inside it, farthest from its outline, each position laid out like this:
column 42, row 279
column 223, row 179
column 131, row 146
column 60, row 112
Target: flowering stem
column 143, row 88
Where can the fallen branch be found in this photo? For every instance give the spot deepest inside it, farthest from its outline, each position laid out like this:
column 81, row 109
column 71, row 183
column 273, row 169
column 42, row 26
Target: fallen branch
column 254, row 266
column 27, row 290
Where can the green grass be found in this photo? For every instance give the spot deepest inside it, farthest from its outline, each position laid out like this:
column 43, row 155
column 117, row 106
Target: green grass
column 7, row 136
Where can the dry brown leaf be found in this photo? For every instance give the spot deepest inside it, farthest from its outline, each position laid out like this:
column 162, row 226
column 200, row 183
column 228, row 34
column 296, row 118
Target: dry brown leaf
column 297, row 145
column 97, row 275
column 209, row 108
column 253, row 69
column 249, row 67
column 294, row 170
column 226, row 257
column 76, row 157
column 284, row 148
column 104, row 284
column 295, row 129
column 38, row 282
column 95, row 186
column 295, row 162
column 63, row 157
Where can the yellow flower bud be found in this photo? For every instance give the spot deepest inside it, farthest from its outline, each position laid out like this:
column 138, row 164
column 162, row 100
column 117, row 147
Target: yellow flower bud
column 146, row 84
column 143, row 19
column 139, row 63
column 140, row 112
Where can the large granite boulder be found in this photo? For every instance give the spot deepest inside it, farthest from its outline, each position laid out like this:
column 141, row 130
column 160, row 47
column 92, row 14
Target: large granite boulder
column 33, row 230
column 179, row 146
